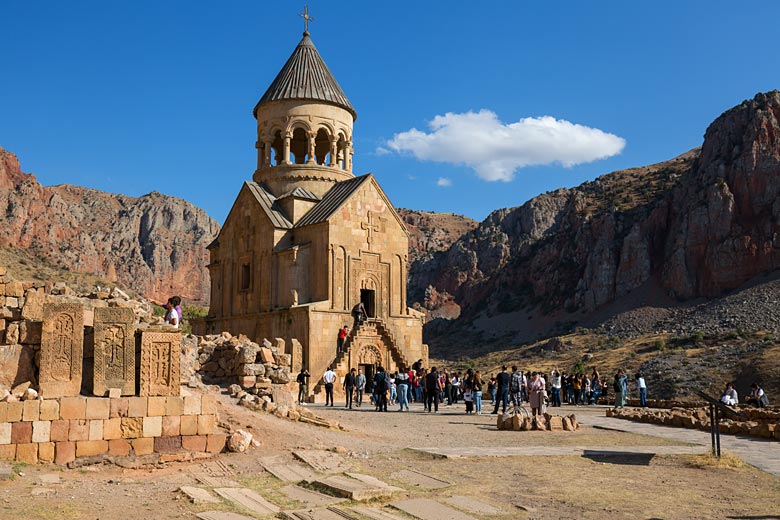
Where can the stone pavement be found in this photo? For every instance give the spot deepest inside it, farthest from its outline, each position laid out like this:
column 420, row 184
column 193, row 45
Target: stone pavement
column 761, row 453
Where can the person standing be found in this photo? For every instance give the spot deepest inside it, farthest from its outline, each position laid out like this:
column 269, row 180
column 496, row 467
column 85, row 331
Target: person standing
column 516, row 385
column 329, row 377
column 401, row 384
column 476, row 389
column 303, row 383
column 555, row 384
column 433, row 389
column 360, row 386
column 642, row 385
column 619, row 385
column 536, row 390
column 492, row 388
column 343, row 333
column 502, row 390
column 447, row 387
column 380, row 389
column 358, row 314
column 350, row 382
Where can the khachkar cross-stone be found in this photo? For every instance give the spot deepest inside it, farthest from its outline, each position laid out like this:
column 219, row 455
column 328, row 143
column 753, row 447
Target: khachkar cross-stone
column 306, row 18
column 372, row 227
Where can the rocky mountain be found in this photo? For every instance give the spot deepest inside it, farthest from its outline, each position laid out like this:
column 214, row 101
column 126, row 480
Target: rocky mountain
column 154, row 244
column 696, row 226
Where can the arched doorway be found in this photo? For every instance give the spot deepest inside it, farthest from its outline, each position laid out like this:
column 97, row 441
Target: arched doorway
column 368, row 359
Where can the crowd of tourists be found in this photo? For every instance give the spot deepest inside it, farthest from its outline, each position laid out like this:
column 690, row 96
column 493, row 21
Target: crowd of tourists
column 433, row 388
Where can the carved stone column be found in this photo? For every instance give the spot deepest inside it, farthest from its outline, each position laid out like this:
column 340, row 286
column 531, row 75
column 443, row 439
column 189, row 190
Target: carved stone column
column 267, row 152
column 312, row 148
column 334, row 153
column 286, row 149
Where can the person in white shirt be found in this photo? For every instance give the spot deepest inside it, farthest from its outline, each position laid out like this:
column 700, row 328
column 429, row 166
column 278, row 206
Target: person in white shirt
column 729, row 396
column 640, row 383
column 329, row 377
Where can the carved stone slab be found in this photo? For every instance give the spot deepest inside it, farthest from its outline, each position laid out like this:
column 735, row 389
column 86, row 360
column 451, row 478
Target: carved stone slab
column 114, row 351
column 62, row 350
column 160, row 357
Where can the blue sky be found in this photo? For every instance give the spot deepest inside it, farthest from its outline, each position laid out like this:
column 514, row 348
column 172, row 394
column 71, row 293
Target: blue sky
column 133, row 97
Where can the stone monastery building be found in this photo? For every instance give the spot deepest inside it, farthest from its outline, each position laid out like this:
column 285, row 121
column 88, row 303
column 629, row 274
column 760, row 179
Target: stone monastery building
column 306, row 240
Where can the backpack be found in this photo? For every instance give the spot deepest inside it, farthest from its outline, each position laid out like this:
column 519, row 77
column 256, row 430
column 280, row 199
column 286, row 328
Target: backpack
column 515, row 383
column 617, row 387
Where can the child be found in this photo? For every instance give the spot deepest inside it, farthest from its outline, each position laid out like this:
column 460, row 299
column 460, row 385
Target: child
column 468, row 398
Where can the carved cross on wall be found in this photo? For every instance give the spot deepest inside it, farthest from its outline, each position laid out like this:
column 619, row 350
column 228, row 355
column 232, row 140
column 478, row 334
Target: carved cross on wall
column 372, row 227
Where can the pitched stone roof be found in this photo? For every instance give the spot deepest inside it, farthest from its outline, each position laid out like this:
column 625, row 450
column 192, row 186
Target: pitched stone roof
column 299, row 193
column 332, row 201
column 266, row 200
column 305, row 76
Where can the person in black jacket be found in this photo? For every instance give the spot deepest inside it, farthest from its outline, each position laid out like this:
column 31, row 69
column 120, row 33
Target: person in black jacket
column 432, row 389
column 350, row 383
column 502, row 391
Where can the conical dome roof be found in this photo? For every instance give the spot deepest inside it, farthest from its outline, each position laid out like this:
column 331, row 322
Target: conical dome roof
column 305, row 76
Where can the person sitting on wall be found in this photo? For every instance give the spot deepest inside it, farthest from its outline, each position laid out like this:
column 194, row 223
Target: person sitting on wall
column 729, row 396
column 757, row 396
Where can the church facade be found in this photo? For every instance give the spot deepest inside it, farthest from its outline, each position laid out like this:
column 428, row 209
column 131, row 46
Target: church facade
column 306, row 240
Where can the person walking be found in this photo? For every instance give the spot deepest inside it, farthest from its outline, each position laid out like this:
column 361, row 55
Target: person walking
column 329, row 377
column 360, row 386
column 502, row 390
column 350, row 382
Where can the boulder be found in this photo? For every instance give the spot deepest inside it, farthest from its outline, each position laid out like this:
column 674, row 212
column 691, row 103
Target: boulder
column 239, row 441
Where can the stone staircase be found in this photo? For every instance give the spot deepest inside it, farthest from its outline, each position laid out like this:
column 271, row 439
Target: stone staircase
column 340, row 363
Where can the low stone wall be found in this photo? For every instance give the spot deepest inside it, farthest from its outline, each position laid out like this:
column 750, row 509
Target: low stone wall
column 760, row 422
column 61, row 430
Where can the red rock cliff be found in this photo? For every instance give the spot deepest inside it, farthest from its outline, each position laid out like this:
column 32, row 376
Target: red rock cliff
column 154, row 244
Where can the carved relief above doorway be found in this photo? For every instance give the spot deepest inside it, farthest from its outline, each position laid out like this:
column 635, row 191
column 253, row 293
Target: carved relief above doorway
column 369, row 355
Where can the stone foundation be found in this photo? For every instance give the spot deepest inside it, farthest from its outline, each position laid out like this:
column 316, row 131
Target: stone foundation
column 61, row 430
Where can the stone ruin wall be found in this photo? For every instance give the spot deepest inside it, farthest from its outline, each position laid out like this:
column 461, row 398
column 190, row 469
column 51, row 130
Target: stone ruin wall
column 80, row 376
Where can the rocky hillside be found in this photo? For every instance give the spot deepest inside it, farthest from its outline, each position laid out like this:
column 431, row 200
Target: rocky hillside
column 154, row 244
column 697, row 226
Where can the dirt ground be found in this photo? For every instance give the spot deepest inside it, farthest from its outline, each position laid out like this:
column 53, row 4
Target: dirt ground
column 378, row 444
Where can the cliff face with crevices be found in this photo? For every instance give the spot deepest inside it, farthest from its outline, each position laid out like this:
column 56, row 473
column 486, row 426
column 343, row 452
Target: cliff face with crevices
column 154, row 244
column 698, row 225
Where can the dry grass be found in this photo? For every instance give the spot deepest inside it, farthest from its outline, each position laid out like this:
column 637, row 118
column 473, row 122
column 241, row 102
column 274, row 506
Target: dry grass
column 708, row 460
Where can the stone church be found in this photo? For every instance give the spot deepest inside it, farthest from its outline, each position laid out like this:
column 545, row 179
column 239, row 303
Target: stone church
column 306, row 240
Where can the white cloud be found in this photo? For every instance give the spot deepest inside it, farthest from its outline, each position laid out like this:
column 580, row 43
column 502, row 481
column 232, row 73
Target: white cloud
column 444, row 182
column 381, row 150
column 496, row 150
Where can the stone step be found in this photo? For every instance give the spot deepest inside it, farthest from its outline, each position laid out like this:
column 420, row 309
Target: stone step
column 352, row 488
column 221, row 515
column 249, row 500
column 420, row 480
column 198, row 495
column 290, row 471
column 472, row 505
column 376, row 514
column 373, row 481
column 323, row 513
column 308, row 497
column 426, row 509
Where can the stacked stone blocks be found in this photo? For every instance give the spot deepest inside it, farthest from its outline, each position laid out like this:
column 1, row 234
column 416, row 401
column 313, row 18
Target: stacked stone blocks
column 60, row 430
